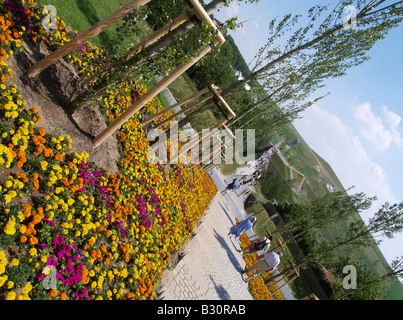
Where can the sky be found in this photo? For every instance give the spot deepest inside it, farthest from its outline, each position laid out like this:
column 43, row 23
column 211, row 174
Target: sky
column 358, row 127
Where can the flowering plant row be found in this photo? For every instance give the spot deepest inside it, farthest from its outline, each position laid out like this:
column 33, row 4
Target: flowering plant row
column 68, row 228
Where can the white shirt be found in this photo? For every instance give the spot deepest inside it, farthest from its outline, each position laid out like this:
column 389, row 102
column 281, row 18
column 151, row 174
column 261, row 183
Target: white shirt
column 272, row 259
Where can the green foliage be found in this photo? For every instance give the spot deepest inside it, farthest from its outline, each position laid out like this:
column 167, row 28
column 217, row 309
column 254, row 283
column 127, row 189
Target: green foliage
column 250, row 201
column 274, row 186
column 215, row 68
column 368, row 282
column 162, row 12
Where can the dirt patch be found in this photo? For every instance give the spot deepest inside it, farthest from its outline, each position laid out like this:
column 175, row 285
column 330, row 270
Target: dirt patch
column 50, row 92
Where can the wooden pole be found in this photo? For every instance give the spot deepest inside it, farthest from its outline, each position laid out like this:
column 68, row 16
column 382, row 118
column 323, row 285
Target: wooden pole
column 158, row 34
column 284, row 277
column 140, row 46
column 280, row 245
column 214, row 89
column 194, row 105
column 211, row 152
column 144, row 99
column 229, row 131
column 85, row 36
column 176, row 105
column 190, row 145
column 204, row 15
column 288, row 282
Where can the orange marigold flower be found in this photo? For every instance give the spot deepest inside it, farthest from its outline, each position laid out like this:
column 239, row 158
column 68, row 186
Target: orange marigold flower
column 52, row 292
column 33, row 240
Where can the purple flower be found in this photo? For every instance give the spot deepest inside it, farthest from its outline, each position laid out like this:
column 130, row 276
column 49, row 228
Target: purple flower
column 69, row 269
column 51, row 261
column 58, row 240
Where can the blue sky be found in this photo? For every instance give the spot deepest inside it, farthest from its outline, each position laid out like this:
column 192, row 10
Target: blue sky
column 358, row 128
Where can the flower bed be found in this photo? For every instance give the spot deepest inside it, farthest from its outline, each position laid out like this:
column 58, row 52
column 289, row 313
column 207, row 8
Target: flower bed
column 69, row 229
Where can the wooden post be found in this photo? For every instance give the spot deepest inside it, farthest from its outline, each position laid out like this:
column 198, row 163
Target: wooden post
column 140, row 46
column 204, row 15
column 255, row 236
column 288, row 282
column 158, row 34
column 190, row 145
column 176, row 105
column 229, row 131
column 194, row 105
column 144, row 99
column 286, row 276
column 280, row 245
column 85, row 36
column 207, row 157
column 215, row 89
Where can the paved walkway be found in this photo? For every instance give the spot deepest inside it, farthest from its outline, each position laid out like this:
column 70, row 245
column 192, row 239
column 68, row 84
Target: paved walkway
column 211, row 268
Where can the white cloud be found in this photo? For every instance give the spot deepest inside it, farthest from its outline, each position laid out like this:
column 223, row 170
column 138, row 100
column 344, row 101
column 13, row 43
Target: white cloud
column 393, row 120
column 381, row 133
column 342, row 148
column 232, row 10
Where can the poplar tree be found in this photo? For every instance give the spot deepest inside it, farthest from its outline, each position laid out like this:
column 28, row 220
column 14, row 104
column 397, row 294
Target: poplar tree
column 296, row 61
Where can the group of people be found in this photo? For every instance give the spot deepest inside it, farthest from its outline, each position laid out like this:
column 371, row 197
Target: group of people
column 267, row 261
column 242, row 179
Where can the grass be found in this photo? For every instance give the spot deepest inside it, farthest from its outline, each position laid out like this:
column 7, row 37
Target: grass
column 81, row 15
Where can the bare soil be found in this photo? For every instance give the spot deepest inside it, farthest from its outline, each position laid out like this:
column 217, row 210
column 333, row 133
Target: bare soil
column 50, row 92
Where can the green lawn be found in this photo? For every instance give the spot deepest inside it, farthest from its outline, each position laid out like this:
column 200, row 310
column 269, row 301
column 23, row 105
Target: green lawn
column 82, row 14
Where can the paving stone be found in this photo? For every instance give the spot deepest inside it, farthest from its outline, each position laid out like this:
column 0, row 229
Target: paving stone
column 211, row 268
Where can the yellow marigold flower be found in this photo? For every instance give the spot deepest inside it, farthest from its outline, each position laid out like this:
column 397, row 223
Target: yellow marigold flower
column 33, row 252
column 44, row 165
column 27, row 288
column 15, row 262
column 3, row 279
column 10, row 295
column 10, row 284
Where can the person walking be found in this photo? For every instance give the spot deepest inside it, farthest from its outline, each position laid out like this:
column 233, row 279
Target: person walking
column 232, row 186
column 258, row 244
column 244, row 193
column 267, row 262
column 242, row 226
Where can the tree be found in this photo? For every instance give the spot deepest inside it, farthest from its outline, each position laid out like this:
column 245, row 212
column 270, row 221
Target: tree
column 159, row 58
column 371, row 291
column 322, row 212
column 368, row 284
column 387, row 221
column 274, row 186
column 315, row 52
column 345, row 46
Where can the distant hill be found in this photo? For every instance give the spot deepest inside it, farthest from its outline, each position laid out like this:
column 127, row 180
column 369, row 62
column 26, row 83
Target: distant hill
column 238, row 61
column 320, row 176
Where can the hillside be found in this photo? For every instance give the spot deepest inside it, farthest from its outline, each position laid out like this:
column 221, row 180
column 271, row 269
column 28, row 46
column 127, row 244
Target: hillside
column 320, row 175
